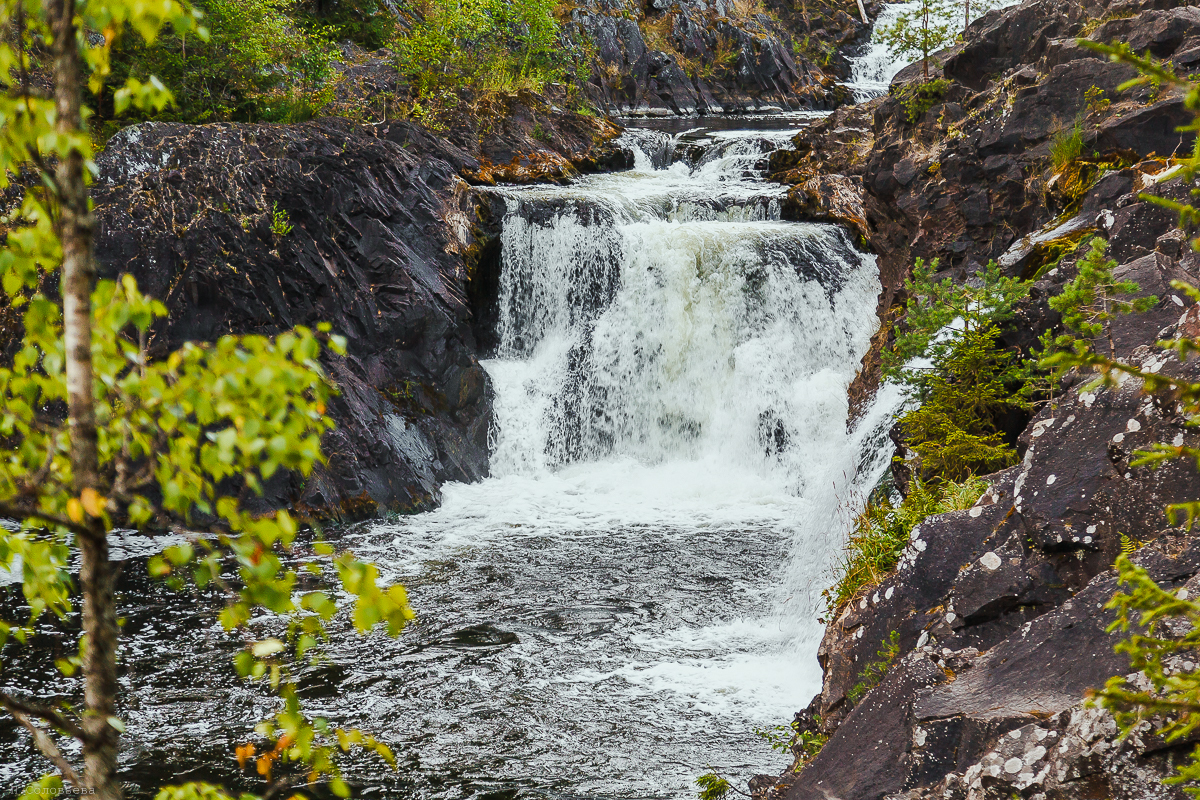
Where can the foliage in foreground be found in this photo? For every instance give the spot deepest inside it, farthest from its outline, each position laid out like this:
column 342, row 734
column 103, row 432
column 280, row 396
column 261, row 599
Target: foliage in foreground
column 1171, row 625
column 1167, row 623
column 713, row 786
column 95, row 435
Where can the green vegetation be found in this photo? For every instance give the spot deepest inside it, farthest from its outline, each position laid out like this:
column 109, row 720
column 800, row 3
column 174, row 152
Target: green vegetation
column 1096, row 102
column 1093, row 297
column 481, row 44
column 1066, row 146
column 262, row 60
column 873, row 673
column 882, row 531
column 281, row 224
column 1170, row 695
column 803, row 744
column 966, row 384
column 815, row 50
column 806, row 745
column 921, row 31
column 713, row 786
column 95, row 435
column 956, row 431
column 917, row 98
column 281, row 61
column 1092, row 25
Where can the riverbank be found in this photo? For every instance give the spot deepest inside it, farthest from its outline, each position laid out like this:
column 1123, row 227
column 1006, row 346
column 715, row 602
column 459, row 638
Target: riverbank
column 999, row 609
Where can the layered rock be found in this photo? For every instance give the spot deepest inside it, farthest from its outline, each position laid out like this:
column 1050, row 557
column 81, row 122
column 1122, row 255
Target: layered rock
column 718, row 56
column 968, row 177
column 375, row 229
column 1000, row 610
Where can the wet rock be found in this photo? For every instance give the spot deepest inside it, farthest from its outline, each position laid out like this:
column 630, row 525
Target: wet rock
column 375, row 246
column 259, row 228
column 833, row 198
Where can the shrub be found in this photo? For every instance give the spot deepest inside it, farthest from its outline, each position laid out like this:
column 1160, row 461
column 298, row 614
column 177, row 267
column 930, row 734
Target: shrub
column 917, row 98
column 258, row 63
column 966, row 383
column 1066, row 146
column 956, row 431
column 1096, row 102
column 456, row 43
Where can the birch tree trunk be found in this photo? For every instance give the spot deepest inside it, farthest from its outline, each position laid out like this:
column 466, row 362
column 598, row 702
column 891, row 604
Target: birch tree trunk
column 76, row 228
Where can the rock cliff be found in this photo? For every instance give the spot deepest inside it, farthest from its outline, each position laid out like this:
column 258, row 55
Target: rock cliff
column 718, row 56
column 375, row 228
column 999, row 609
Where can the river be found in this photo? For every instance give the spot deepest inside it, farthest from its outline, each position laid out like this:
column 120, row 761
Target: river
column 635, row 589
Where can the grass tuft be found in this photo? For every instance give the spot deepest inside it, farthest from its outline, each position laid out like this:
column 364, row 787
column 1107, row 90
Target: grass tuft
column 882, row 530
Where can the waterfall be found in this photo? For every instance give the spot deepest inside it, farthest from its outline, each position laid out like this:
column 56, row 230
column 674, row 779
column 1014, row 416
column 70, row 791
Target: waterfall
column 670, row 451
column 872, row 71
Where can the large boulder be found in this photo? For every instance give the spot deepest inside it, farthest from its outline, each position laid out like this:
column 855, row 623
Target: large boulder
column 258, row 228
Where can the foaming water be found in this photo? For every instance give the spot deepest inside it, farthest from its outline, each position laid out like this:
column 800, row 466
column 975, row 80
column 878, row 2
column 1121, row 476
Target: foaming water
column 669, row 455
column 635, row 589
column 872, row 71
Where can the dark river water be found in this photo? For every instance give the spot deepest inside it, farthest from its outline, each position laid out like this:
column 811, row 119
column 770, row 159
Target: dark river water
column 635, row 589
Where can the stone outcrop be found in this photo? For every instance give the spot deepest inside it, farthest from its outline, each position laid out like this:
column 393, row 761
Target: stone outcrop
column 969, row 176
column 717, row 56
column 1000, row 610
column 373, row 228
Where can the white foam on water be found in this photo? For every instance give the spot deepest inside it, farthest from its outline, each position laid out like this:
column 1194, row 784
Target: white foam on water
column 671, row 378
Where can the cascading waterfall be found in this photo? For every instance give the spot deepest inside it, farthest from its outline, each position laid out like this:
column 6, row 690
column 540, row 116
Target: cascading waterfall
column 635, row 589
column 669, row 454
column 872, row 71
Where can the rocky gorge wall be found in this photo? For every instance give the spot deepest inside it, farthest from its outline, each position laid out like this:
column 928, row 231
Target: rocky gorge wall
column 244, row 228
column 719, row 56
column 999, row 609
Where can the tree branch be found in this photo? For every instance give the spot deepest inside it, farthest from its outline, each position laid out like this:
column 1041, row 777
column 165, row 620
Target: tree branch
column 55, row 717
column 48, row 748
column 18, row 513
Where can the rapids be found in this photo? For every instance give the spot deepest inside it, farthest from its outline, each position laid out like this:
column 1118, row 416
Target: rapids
column 636, row 587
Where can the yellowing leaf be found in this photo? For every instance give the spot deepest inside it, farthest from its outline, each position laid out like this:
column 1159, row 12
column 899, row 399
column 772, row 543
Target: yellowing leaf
column 244, row 753
column 93, row 502
column 75, row 510
column 266, row 647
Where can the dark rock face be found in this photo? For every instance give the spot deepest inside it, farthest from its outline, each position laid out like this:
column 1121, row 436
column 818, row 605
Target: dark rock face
column 716, row 56
column 1006, row 600
column 377, row 232
column 971, row 178
column 375, row 248
column 999, row 609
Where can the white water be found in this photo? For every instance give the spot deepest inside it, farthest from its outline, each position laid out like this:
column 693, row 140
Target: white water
column 873, row 70
column 670, row 433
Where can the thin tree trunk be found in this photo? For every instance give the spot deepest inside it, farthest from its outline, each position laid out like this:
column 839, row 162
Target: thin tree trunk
column 966, row 16
column 76, row 226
